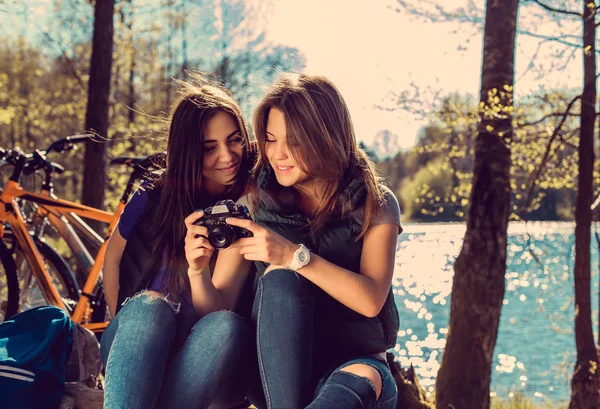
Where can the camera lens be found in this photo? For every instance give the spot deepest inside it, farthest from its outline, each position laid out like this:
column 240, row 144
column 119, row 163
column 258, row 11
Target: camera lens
column 221, row 237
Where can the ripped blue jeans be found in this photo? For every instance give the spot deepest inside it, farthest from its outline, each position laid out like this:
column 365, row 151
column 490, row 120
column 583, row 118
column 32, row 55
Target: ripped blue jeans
column 156, row 356
column 298, row 367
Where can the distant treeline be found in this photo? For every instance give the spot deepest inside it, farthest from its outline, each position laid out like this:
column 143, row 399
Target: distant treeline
column 433, row 179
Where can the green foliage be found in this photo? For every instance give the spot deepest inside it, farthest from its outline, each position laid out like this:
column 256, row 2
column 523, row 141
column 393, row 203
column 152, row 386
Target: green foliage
column 44, row 77
column 433, row 179
column 429, row 194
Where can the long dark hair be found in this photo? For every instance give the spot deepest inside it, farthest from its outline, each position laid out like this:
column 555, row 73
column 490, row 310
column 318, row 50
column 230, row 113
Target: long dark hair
column 181, row 183
column 321, row 135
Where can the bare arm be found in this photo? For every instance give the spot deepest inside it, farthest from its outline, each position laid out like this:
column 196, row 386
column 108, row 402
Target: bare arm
column 112, row 259
column 222, row 291
column 364, row 293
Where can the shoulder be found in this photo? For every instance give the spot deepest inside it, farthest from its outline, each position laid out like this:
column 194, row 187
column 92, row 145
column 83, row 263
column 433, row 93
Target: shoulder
column 389, row 212
column 133, row 210
column 390, row 202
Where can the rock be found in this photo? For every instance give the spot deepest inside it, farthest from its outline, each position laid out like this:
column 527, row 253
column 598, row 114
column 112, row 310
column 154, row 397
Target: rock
column 79, row 396
column 84, row 361
column 410, row 393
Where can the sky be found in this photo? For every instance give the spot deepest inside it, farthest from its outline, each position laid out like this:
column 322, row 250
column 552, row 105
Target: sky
column 367, row 49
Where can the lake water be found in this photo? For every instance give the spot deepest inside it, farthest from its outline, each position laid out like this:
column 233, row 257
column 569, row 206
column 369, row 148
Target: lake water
column 535, row 350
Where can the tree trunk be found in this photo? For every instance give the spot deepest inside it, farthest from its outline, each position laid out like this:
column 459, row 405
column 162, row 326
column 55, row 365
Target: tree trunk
column 131, row 94
column 478, row 286
column 96, row 116
column 585, row 383
column 184, row 41
column 169, row 57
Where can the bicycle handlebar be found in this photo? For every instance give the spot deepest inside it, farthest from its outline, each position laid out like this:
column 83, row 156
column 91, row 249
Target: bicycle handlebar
column 65, row 144
column 141, row 163
column 30, row 163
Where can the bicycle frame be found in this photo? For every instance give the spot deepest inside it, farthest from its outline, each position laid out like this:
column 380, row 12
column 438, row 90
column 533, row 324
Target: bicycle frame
column 11, row 213
column 65, row 224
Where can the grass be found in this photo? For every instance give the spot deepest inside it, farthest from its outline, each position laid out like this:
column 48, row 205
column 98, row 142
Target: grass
column 521, row 402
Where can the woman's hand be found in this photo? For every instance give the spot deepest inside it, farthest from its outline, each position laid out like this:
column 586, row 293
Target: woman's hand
column 197, row 247
column 265, row 246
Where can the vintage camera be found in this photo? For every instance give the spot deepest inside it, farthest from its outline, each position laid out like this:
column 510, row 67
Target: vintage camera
column 221, row 234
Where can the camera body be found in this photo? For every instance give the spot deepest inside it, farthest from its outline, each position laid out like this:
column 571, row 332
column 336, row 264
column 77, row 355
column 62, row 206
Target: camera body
column 220, row 234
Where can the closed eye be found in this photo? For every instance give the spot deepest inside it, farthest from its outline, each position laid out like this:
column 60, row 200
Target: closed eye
column 236, row 140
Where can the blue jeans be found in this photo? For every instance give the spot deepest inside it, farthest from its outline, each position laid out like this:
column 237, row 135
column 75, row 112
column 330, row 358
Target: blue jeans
column 156, row 357
column 298, row 367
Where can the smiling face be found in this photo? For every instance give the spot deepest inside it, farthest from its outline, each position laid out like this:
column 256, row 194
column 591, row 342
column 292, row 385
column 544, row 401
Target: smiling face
column 286, row 167
column 223, row 150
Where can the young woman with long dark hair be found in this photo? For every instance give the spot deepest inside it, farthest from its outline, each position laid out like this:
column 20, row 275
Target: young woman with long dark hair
column 161, row 350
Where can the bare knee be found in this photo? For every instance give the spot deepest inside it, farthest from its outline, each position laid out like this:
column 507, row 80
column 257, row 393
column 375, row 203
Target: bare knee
column 368, row 372
column 153, row 297
column 150, row 293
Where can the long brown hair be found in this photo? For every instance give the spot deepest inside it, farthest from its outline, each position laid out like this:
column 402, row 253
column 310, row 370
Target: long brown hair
column 182, row 191
column 320, row 135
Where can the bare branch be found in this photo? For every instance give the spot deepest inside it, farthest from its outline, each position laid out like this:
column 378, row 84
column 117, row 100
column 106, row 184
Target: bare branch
column 545, row 117
column 555, row 10
column 439, row 14
column 565, row 140
column 68, row 62
column 557, row 39
column 554, row 135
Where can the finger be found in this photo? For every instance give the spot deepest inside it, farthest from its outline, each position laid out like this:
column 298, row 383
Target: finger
column 198, row 230
column 193, row 217
column 189, row 236
column 245, row 223
column 253, row 256
column 198, row 253
column 249, row 249
column 201, row 242
column 248, row 241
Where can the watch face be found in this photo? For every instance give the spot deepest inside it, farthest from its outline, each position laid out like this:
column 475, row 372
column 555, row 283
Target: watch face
column 302, row 257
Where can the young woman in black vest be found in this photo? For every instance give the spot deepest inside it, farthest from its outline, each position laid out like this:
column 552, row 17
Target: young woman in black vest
column 160, row 351
column 325, row 233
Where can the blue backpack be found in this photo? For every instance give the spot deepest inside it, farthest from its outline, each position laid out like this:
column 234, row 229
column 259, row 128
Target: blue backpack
column 34, row 347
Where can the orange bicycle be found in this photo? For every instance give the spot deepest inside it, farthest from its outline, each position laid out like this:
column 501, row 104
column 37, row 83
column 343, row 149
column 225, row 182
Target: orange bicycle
column 17, row 238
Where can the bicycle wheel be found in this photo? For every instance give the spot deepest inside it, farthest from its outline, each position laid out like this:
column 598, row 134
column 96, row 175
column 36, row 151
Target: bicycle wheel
column 30, row 294
column 9, row 284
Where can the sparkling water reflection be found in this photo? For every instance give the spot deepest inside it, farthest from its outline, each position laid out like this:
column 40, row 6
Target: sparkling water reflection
column 535, row 350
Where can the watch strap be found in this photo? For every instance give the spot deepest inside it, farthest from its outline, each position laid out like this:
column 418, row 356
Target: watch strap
column 296, row 263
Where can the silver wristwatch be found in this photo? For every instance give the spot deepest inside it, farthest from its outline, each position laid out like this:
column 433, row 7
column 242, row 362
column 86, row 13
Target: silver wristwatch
column 300, row 259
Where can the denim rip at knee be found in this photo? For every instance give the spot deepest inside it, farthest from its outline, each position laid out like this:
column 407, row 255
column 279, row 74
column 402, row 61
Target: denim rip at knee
column 135, row 306
column 389, row 390
column 149, row 297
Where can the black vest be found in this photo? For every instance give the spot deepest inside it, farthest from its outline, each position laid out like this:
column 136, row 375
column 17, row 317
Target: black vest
column 134, row 269
column 137, row 255
column 351, row 332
